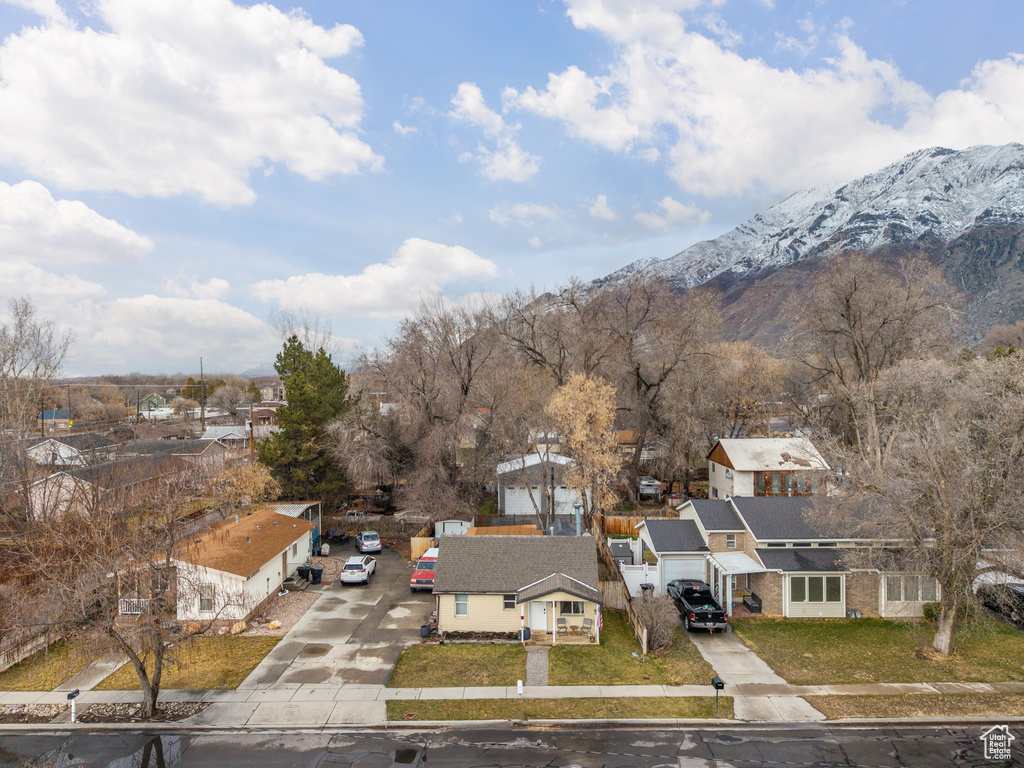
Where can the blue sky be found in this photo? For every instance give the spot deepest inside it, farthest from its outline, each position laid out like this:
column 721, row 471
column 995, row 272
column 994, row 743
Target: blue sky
column 174, row 171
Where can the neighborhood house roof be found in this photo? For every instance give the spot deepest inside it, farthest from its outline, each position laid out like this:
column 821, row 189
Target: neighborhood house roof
column 772, row 454
column 674, row 536
column 506, row 564
column 782, row 518
column 125, row 472
column 84, row 441
column 293, row 508
column 557, row 582
column 171, row 447
column 715, row 514
column 793, row 559
column 222, row 433
column 55, row 415
column 529, row 460
column 244, row 547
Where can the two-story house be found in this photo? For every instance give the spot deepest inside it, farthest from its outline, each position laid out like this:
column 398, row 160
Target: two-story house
column 765, row 466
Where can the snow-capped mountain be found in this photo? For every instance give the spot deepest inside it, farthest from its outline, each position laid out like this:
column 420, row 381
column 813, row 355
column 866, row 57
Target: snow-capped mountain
column 929, row 198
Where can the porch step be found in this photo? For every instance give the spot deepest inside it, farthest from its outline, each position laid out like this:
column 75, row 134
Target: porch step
column 297, row 585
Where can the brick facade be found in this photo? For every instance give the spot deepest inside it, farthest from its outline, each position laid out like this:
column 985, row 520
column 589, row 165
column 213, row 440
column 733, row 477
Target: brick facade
column 716, row 542
column 768, row 587
column 862, row 593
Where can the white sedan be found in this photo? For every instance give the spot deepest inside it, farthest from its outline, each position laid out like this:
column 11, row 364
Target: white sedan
column 358, row 570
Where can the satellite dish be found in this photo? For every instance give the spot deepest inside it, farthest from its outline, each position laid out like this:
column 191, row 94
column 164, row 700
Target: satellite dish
column 728, row 474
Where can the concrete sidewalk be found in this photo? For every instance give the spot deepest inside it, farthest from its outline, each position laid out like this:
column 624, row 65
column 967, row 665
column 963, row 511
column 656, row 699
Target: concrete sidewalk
column 326, row 704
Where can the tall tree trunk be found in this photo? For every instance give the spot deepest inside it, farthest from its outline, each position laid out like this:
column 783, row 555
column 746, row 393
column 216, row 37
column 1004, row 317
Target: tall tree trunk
column 946, row 630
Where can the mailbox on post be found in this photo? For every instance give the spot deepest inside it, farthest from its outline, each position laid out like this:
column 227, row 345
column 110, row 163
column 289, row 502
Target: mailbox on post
column 72, row 695
column 719, row 685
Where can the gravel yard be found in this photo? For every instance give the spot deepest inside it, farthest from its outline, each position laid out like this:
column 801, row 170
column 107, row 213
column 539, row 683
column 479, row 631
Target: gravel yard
column 30, row 713
column 168, row 712
column 287, row 610
column 332, row 565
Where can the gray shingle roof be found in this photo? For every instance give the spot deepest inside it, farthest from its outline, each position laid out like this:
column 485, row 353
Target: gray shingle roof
column 781, row 517
column 557, row 582
column 505, row 564
column 716, row 515
column 802, row 559
column 675, row 536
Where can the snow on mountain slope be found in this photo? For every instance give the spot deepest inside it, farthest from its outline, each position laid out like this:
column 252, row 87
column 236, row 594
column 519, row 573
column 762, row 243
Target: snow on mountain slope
column 931, row 196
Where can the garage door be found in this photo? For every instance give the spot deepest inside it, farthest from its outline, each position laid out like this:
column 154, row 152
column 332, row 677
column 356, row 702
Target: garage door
column 673, row 568
column 517, row 501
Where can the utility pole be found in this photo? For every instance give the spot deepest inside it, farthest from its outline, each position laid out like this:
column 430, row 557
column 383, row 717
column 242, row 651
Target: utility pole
column 202, row 398
column 250, row 434
column 70, row 420
column 138, row 414
column 42, row 417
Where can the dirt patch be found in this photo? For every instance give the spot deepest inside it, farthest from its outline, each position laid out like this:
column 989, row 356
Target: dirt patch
column 287, row 610
column 332, row 565
column 168, row 712
column 30, row 713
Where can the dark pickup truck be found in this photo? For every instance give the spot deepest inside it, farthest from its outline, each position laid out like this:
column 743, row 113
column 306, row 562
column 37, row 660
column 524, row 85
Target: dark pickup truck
column 696, row 605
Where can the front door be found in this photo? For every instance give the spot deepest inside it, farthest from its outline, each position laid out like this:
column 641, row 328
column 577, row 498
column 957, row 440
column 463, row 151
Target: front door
column 539, row 616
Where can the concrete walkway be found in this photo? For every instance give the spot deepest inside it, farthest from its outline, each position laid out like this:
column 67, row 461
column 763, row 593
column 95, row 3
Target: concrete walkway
column 328, row 704
column 537, row 665
column 95, row 673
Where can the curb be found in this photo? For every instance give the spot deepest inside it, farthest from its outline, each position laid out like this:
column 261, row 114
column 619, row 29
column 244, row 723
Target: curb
column 413, row 725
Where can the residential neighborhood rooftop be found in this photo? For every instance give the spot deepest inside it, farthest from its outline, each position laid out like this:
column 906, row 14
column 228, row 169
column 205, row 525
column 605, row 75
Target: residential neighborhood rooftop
column 780, row 517
column 675, row 536
column 751, row 454
column 82, row 441
column 716, row 514
column 788, row 559
column 505, row 564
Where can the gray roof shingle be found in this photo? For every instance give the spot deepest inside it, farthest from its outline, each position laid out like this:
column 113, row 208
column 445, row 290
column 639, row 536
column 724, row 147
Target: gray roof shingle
column 505, row 564
column 716, row 515
column 675, row 536
column 781, row 518
column 797, row 559
column 557, row 582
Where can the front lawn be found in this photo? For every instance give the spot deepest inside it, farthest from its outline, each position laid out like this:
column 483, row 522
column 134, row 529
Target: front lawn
column 45, row 670
column 434, row 666
column 203, row 662
column 698, row 707
column 613, row 663
column 824, row 651
column 920, row 705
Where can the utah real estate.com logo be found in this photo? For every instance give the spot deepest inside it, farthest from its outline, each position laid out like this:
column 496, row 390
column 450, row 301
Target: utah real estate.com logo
column 997, row 742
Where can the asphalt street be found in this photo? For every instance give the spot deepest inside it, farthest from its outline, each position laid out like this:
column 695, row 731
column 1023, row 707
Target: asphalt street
column 745, row 747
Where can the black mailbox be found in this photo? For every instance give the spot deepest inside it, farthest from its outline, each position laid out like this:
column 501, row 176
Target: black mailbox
column 73, row 695
column 718, row 683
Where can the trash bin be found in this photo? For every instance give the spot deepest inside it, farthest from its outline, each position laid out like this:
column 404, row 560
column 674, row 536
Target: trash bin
column 303, row 571
column 526, row 633
column 424, row 630
column 317, row 572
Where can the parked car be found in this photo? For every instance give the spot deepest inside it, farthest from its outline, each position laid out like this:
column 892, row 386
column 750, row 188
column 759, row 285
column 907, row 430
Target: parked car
column 423, row 574
column 355, row 514
column 368, row 541
column 358, row 570
column 1005, row 599
column 697, row 605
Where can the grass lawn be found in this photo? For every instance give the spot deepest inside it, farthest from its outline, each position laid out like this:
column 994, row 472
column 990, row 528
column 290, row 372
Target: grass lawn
column 920, row 705
column 700, row 707
column 205, row 662
column 432, row 666
column 613, row 663
column 45, row 670
column 822, row 651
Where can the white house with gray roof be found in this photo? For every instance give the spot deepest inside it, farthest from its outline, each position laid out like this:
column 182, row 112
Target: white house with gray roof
column 499, row 584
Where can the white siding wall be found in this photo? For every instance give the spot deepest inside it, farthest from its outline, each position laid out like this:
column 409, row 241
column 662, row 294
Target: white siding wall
column 487, row 614
column 231, row 599
column 743, row 483
column 294, row 561
column 806, row 610
column 718, row 481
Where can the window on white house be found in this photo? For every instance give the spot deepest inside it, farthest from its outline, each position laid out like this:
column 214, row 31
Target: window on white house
column 826, row 543
column 712, row 467
column 462, row 605
column 929, row 589
column 815, row 589
column 894, row 589
column 206, row 597
column 714, row 493
column 730, row 541
column 798, row 589
column 509, row 602
column 801, row 543
column 833, row 589
column 295, row 549
column 572, row 608
column 776, row 544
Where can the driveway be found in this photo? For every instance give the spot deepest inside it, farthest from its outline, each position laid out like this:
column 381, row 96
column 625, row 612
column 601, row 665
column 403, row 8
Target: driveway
column 351, row 634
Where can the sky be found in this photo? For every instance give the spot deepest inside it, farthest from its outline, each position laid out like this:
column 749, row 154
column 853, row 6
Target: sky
column 172, row 172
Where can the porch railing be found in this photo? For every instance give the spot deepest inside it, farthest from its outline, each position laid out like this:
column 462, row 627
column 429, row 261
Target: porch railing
column 133, row 606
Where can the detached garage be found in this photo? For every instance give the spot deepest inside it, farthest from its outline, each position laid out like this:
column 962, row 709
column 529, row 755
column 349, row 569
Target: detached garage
column 525, row 485
column 679, row 547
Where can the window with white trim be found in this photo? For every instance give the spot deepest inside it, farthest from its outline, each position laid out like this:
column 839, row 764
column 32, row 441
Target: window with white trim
column 462, row 605
column 206, row 594
column 730, row 541
column 910, row 588
column 295, row 549
column 509, row 602
column 572, row 608
column 815, row 589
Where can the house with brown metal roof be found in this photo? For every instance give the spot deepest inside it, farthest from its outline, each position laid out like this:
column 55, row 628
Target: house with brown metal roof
column 230, row 570
column 501, row 584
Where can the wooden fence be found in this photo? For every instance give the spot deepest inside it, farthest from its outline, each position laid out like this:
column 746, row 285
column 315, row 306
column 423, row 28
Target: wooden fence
column 422, row 541
column 625, row 525
column 614, row 595
column 19, row 646
column 622, row 598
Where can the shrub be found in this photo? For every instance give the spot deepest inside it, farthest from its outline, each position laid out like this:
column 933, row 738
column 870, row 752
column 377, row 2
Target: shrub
column 931, row 611
column 658, row 614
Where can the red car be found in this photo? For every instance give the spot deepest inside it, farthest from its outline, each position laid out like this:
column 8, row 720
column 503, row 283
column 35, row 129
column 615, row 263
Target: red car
column 423, row 575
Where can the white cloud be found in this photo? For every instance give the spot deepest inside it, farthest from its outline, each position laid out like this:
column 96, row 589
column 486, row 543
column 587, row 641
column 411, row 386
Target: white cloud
column 184, row 287
column 600, row 209
column 180, row 97
column 404, row 130
column 36, row 228
column 534, row 242
column 48, row 9
column 673, row 214
column 48, row 290
column 650, row 154
column 523, row 214
column 507, row 161
column 419, row 269
column 739, row 123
